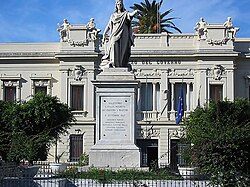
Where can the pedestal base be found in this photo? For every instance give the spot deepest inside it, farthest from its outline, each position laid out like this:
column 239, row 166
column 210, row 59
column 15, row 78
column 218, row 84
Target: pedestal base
column 120, row 156
column 116, row 91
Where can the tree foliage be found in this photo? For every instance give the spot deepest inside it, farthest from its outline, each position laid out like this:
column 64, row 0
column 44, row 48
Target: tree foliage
column 150, row 20
column 5, row 131
column 220, row 133
column 32, row 126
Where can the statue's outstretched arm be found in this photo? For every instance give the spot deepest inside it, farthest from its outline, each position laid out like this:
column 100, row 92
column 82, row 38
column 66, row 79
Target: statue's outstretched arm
column 132, row 14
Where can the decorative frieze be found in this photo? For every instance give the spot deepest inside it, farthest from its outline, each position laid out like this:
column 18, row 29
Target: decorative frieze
column 177, row 133
column 77, row 43
column 170, row 72
column 217, row 71
column 79, row 72
column 179, row 73
column 148, row 133
column 218, row 42
column 10, row 83
column 41, row 83
column 140, row 73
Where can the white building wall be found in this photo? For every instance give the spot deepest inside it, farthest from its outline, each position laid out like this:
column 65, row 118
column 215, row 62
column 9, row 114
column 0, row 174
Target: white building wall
column 156, row 58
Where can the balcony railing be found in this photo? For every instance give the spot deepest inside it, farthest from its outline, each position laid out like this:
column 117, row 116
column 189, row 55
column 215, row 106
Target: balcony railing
column 157, row 116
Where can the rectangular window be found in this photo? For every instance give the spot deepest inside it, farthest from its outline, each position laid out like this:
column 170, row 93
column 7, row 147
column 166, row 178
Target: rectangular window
column 216, row 92
column 146, row 97
column 42, row 89
column 183, row 154
column 191, row 96
column 76, row 147
column 158, row 95
column 177, row 92
column 10, row 93
column 77, row 97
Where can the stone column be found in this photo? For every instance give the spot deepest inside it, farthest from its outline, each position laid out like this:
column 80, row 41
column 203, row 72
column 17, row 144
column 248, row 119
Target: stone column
column 154, row 95
column 165, row 100
column 172, row 115
column 172, row 96
column 188, row 96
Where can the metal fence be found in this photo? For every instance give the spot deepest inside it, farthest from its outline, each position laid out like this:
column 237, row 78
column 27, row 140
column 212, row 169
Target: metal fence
column 16, row 176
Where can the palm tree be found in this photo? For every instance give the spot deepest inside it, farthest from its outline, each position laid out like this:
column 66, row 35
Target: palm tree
column 150, row 20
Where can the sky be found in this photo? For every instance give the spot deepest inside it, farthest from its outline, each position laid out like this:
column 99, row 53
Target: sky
column 36, row 20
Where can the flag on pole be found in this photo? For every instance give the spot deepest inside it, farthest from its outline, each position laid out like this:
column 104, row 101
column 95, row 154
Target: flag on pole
column 180, row 108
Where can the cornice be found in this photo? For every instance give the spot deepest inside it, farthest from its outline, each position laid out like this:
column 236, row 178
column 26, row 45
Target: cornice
column 184, row 53
column 70, row 54
column 27, row 55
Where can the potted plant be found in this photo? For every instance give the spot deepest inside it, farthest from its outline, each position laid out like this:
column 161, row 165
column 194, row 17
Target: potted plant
column 57, row 166
column 83, row 162
column 188, row 172
column 23, row 151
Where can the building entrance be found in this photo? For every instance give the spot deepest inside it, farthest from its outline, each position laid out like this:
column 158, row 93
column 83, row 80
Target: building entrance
column 149, row 152
column 152, row 156
column 174, row 154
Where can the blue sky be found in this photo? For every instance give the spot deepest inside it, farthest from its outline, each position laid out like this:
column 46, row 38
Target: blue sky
column 36, row 20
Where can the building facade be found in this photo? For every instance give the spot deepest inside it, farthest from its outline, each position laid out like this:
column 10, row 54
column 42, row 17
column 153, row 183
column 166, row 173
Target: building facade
column 210, row 63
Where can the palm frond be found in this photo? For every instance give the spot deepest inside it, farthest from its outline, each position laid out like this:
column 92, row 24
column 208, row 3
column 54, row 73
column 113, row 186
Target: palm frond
column 166, row 13
column 150, row 20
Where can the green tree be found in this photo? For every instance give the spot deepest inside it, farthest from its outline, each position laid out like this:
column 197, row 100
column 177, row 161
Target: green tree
column 220, row 133
column 5, row 130
column 34, row 126
column 150, row 20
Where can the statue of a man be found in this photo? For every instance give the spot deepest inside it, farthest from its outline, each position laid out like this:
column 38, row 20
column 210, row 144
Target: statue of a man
column 230, row 27
column 93, row 32
column 201, row 28
column 64, row 30
column 118, row 47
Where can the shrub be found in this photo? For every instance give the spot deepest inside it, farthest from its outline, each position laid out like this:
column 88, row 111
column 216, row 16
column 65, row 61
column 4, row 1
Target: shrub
column 220, row 133
column 84, row 159
column 30, row 127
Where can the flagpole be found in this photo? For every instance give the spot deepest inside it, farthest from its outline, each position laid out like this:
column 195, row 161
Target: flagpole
column 158, row 18
column 180, row 108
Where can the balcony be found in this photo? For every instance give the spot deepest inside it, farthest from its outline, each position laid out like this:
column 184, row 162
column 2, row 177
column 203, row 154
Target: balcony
column 157, row 116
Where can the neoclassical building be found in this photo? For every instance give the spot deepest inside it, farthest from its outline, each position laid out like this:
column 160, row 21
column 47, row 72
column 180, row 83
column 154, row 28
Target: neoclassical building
column 210, row 63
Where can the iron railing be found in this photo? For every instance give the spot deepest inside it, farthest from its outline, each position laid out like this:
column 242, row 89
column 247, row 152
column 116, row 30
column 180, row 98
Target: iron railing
column 9, row 177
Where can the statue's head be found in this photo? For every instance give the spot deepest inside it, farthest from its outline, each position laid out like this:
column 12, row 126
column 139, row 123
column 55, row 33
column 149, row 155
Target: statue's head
column 119, row 5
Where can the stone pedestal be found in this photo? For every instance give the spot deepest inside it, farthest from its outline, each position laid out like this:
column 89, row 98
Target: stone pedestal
column 116, row 90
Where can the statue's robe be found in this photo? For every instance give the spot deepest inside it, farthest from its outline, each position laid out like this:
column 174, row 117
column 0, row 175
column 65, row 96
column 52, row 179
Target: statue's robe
column 120, row 41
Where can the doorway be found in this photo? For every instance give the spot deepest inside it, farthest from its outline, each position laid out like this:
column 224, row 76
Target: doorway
column 174, row 154
column 152, row 160
column 149, row 151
